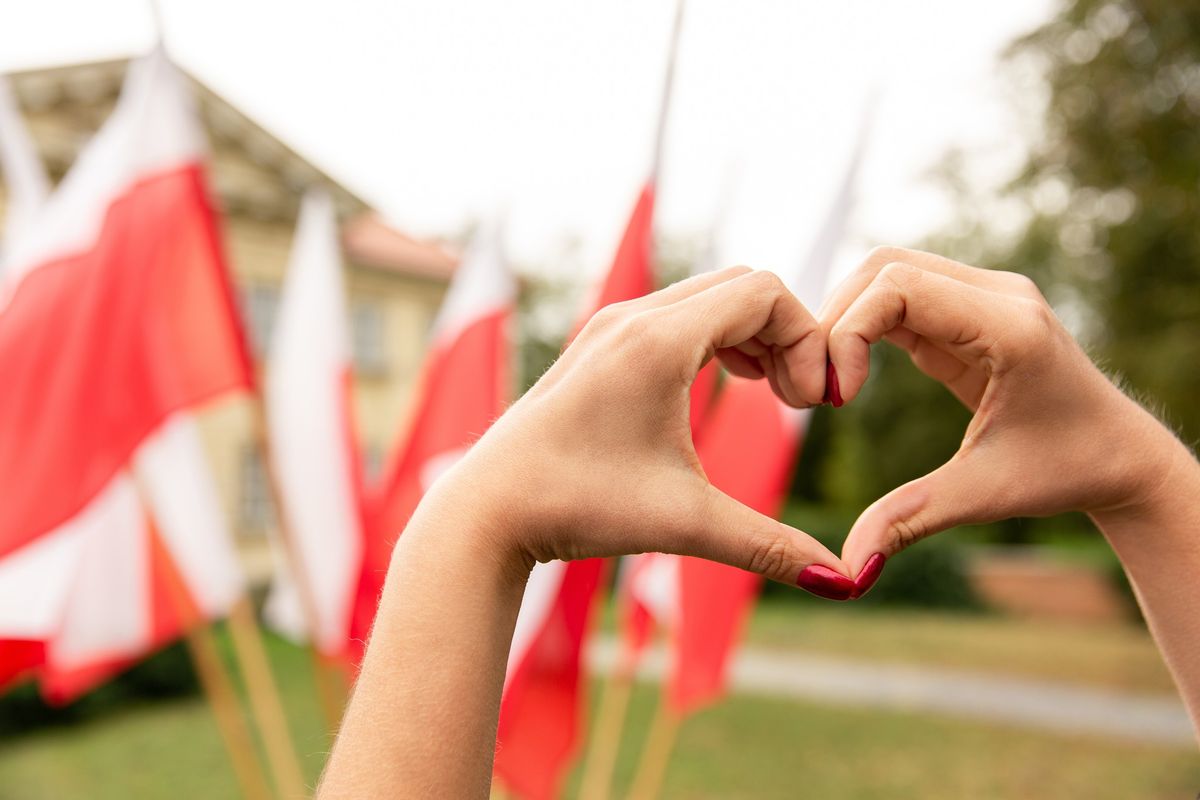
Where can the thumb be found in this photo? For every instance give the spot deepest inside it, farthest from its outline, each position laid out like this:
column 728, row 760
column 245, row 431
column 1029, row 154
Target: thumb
column 735, row 534
column 959, row 492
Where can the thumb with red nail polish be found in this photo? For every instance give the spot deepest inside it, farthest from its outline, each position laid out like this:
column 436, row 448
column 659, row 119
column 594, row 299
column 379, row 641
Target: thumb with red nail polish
column 833, row 390
column 825, row 582
column 868, row 575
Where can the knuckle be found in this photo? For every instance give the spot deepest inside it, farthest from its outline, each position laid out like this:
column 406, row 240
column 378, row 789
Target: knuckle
column 606, row 318
column 643, row 331
column 882, row 255
column 1035, row 320
column 764, row 281
column 737, row 271
column 904, row 533
column 898, row 274
column 1023, row 285
column 768, row 556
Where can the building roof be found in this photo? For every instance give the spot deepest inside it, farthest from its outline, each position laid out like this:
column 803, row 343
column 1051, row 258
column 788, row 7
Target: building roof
column 368, row 240
column 253, row 172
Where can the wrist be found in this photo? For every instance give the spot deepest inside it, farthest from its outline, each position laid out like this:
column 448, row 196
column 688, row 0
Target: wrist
column 473, row 503
column 1156, row 467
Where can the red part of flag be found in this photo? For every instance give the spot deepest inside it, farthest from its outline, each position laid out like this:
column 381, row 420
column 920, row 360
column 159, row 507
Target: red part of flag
column 542, row 710
column 99, row 347
column 747, row 445
column 19, row 658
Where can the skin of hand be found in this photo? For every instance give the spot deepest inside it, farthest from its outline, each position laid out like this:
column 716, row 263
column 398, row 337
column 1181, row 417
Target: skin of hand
column 1050, row 432
column 595, row 460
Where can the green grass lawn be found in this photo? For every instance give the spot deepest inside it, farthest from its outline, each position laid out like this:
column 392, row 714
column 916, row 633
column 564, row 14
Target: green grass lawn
column 745, row 747
column 759, row 748
column 1118, row 656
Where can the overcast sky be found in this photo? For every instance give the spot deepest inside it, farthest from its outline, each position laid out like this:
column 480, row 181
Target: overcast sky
column 442, row 110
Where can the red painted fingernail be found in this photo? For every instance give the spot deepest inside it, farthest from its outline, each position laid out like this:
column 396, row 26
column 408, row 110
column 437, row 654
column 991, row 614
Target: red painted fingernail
column 869, row 574
column 824, row 582
column 833, row 392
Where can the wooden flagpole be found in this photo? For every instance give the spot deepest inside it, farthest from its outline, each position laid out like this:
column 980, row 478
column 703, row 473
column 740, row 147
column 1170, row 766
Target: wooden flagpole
column 614, row 699
column 265, row 703
column 331, row 696
column 215, row 679
column 664, row 730
column 668, row 88
column 601, row 759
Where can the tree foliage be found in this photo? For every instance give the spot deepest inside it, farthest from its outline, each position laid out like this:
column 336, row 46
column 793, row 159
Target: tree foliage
column 1122, row 138
column 1107, row 217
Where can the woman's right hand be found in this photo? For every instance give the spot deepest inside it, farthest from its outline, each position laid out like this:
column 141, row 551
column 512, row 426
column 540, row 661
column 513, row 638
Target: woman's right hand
column 1050, row 432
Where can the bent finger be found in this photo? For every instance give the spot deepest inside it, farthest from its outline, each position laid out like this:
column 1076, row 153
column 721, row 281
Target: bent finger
column 683, row 289
column 848, row 291
column 961, row 319
column 758, row 306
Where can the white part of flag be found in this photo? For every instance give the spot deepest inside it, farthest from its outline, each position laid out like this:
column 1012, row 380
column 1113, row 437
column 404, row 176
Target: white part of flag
column 307, row 414
column 541, row 593
column 107, row 613
column 177, row 483
column 34, row 582
column 482, row 285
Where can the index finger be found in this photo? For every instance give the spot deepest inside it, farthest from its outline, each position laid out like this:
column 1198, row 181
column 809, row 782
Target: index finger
column 758, row 306
column 962, row 319
column 840, row 299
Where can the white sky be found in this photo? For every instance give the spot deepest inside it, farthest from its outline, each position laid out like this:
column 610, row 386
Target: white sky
column 442, row 110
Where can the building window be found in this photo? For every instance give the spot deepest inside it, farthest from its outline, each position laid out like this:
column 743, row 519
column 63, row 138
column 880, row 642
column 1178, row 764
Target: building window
column 256, row 513
column 260, row 304
column 368, row 338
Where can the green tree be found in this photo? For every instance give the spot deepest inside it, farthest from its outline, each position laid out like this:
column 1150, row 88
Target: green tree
column 1108, row 224
column 1114, row 183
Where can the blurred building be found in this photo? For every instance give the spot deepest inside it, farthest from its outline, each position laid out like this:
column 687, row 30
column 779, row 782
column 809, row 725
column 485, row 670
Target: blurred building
column 394, row 283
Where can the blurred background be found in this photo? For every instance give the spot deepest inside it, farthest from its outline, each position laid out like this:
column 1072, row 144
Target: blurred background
column 1059, row 138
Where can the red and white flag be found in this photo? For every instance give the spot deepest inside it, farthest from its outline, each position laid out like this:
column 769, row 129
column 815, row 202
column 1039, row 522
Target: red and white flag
column 542, row 710
column 116, row 319
column 308, row 401
column 747, row 442
column 115, row 311
column 92, row 598
column 466, row 383
column 24, row 174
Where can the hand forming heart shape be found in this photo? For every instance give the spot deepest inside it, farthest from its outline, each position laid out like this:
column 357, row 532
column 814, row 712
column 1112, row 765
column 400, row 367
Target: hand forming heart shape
column 1031, row 448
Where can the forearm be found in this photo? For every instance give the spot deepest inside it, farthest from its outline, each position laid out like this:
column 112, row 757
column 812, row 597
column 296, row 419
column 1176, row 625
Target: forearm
column 422, row 721
column 1158, row 543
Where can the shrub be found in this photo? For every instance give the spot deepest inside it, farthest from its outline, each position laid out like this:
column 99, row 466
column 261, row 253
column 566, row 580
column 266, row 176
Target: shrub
column 930, row 574
column 167, row 673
